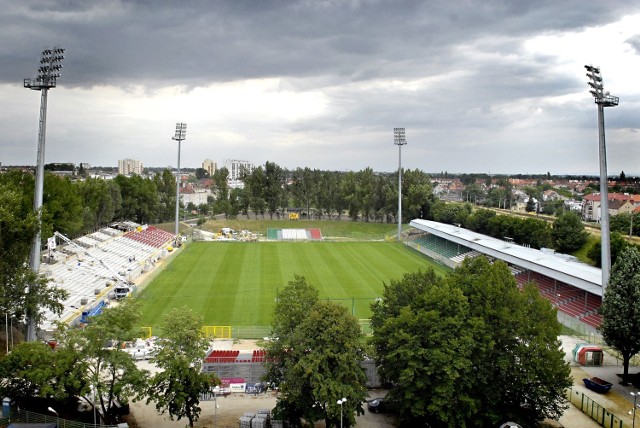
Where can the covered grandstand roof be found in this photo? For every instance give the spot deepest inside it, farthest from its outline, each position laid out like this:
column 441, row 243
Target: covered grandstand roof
column 553, row 265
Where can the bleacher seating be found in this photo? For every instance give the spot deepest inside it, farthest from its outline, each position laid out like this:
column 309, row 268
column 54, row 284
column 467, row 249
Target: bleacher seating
column 442, row 246
column 83, row 272
column 568, row 299
column 151, row 236
column 222, row 356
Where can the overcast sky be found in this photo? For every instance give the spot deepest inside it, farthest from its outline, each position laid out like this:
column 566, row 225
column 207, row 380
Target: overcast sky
column 480, row 86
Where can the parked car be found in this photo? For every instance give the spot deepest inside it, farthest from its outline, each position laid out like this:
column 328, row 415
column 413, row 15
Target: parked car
column 138, row 354
column 254, row 388
column 377, row 405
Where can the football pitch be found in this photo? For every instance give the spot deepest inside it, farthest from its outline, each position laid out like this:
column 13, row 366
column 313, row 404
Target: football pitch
column 236, row 283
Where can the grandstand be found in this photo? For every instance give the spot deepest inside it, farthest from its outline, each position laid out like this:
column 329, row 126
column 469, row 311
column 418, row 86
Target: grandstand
column 574, row 288
column 88, row 267
column 312, row 234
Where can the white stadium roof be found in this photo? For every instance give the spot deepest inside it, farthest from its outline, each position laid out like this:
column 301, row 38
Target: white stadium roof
column 557, row 266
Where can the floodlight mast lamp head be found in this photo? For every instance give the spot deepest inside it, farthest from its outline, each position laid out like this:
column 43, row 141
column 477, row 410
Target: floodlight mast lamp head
column 597, row 88
column 399, row 137
column 48, row 71
column 181, row 132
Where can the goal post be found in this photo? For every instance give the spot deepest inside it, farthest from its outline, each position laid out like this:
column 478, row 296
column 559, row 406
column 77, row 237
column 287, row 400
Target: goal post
column 216, row 331
column 146, row 332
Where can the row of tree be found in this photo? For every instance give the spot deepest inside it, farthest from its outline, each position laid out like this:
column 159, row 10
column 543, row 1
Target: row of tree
column 362, row 195
column 566, row 234
column 89, row 364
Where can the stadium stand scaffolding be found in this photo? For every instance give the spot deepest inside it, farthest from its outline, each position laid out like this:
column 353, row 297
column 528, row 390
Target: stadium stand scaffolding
column 85, row 268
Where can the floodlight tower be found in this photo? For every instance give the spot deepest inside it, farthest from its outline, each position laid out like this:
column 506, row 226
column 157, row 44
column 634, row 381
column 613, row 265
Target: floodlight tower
column 48, row 73
column 603, row 99
column 181, row 134
column 398, row 140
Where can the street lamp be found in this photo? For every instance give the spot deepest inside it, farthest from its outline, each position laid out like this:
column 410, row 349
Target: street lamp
column 399, row 140
column 57, row 416
column 215, row 402
column 181, row 134
column 635, row 397
column 602, row 99
column 341, row 402
column 48, row 73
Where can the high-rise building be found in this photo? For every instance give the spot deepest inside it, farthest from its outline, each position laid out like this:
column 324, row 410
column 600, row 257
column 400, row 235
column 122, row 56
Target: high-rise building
column 210, row 166
column 236, row 168
column 130, row 166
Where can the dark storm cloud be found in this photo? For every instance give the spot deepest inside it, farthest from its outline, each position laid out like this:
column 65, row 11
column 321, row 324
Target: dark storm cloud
column 455, row 73
column 197, row 42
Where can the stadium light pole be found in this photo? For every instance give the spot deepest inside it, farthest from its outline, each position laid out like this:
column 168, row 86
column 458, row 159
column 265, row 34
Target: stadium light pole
column 602, row 99
column 48, row 73
column 180, row 135
column 399, row 140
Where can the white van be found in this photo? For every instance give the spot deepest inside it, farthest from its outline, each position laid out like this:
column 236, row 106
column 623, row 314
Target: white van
column 121, row 292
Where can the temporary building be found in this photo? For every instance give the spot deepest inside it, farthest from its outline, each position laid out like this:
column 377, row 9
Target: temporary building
column 587, row 354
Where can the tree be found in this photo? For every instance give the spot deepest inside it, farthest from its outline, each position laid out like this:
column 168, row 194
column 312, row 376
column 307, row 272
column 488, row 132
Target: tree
column 303, row 188
column 255, row 188
column 478, row 221
column 423, row 341
column 315, row 358
column 166, row 188
column 62, row 206
column 222, row 203
column 517, row 347
column 495, row 349
column 292, row 305
column 568, row 233
column 201, row 173
column 533, row 232
column 620, row 308
column 140, row 199
column 112, row 372
column 100, row 200
column 33, row 369
column 274, row 180
column 617, row 245
column 365, row 184
column 417, row 194
column 177, row 387
column 23, row 291
column 451, row 213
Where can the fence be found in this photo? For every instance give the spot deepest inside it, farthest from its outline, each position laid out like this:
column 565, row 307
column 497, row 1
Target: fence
column 25, row 417
column 217, row 331
column 594, row 410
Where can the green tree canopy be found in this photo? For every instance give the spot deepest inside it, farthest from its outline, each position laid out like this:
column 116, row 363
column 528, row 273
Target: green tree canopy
column 568, row 233
column 112, row 372
column 472, row 339
column 620, row 307
column 22, row 290
column 315, row 356
column 417, row 351
column 176, row 388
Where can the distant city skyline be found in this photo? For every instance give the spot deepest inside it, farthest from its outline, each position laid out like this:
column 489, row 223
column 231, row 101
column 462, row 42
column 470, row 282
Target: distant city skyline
column 498, row 87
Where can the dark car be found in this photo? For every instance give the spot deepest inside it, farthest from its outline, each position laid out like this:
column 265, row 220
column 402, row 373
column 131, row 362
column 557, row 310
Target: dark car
column 377, row 405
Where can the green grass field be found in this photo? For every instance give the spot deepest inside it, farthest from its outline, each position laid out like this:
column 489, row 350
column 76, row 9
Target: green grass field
column 234, row 283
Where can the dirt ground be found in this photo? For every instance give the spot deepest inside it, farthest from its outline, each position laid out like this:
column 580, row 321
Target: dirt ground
column 231, row 408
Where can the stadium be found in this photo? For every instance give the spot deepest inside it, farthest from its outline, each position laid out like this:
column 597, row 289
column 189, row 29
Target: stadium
column 237, row 299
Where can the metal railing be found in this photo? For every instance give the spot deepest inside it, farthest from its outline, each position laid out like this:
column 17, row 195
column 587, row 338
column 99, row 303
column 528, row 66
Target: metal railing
column 594, row 410
column 23, row 416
